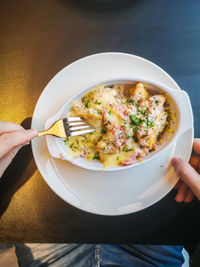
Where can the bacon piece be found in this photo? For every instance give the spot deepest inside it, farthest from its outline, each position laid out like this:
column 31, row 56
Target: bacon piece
column 130, row 160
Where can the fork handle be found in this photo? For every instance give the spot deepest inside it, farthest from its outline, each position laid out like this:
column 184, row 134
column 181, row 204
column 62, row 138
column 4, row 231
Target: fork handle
column 57, row 129
column 43, row 133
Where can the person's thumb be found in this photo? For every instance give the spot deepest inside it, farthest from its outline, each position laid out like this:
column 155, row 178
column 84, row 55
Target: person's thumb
column 187, row 174
column 11, row 140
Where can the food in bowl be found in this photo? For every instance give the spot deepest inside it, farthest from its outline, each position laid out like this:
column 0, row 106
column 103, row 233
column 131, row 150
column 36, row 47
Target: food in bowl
column 131, row 121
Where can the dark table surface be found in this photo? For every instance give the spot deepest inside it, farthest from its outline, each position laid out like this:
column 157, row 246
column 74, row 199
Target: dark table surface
column 38, row 38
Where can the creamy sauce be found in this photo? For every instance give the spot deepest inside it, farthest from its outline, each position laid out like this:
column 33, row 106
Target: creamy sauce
column 130, row 124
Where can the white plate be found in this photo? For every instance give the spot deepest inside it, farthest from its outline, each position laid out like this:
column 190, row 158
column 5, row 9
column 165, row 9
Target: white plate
column 105, row 193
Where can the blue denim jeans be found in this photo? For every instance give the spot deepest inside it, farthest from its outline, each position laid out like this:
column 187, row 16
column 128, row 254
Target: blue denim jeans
column 90, row 255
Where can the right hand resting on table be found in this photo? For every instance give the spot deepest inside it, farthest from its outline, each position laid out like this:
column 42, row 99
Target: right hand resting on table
column 189, row 174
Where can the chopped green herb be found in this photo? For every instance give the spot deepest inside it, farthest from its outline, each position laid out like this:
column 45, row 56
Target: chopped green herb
column 166, row 104
column 96, row 156
column 97, row 102
column 128, row 136
column 133, row 102
column 127, row 101
column 150, row 123
column 100, row 137
column 117, row 158
column 124, row 149
column 145, row 135
column 103, row 130
column 99, row 111
column 169, row 117
column 109, row 112
column 109, row 122
column 72, row 146
column 66, row 141
column 142, row 111
column 136, row 120
column 87, row 102
column 125, row 122
column 130, row 125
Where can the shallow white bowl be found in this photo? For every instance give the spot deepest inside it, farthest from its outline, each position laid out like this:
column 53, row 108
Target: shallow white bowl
column 184, row 121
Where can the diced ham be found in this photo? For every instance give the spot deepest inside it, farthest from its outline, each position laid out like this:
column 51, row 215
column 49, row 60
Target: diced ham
column 130, row 160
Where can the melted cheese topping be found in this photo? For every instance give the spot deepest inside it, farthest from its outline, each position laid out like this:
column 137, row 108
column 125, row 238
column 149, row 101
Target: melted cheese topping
column 130, row 124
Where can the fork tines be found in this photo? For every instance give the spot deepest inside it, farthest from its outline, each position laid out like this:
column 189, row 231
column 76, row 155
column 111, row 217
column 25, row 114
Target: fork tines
column 76, row 126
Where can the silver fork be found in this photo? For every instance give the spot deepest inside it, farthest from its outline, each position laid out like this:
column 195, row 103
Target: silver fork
column 67, row 127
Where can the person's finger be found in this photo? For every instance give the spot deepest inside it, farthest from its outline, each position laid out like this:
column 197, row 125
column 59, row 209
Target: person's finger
column 188, row 174
column 189, row 197
column 196, row 146
column 7, row 127
column 182, row 192
column 178, row 184
column 11, row 140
